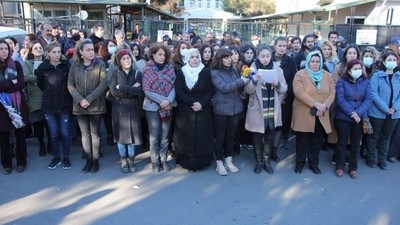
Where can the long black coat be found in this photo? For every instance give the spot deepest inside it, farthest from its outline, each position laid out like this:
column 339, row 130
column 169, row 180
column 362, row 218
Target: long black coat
column 289, row 71
column 126, row 106
column 193, row 136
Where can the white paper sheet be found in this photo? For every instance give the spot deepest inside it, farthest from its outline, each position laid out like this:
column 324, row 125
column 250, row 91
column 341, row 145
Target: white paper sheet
column 267, row 76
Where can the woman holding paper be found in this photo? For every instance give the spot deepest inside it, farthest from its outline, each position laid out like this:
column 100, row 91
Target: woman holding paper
column 314, row 92
column 264, row 109
column 34, row 58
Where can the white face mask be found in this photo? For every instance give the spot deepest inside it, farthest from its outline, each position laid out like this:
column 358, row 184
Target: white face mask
column 391, row 65
column 255, row 43
column 356, row 74
column 368, row 61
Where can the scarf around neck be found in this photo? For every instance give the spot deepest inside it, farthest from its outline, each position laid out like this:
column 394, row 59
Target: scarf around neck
column 259, row 65
column 191, row 73
column 316, row 76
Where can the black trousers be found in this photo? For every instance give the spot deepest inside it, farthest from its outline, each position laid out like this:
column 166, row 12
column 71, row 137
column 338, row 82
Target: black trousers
column 6, row 151
column 225, row 129
column 309, row 144
column 346, row 130
column 394, row 149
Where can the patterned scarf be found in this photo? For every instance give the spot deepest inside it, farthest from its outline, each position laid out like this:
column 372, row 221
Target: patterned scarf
column 160, row 82
column 268, row 98
column 12, row 101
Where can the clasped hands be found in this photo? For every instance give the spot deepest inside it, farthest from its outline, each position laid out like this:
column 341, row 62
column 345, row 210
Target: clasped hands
column 321, row 108
column 391, row 111
column 197, row 107
column 166, row 105
column 356, row 117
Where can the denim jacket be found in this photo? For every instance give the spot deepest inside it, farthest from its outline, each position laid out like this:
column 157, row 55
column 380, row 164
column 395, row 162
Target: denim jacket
column 381, row 92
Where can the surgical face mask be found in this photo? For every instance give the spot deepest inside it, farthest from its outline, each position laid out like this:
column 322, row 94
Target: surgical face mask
column 367, row 61
column 391, row 65
column 255, row 42
column 111, row 50
column 356, row 74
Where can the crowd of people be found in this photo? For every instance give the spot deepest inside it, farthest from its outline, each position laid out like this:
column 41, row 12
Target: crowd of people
column 203, row 99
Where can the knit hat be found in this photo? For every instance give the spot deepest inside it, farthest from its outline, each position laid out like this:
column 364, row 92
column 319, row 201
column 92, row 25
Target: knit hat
column 395, row 40
column 123, row 52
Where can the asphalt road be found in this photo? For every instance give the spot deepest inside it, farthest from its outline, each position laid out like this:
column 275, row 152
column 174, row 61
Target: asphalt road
column 47, row 197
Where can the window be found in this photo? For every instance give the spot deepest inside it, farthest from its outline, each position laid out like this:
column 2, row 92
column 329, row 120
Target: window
column 46, row 13
column 191, row 3
column 199, row 3
column 208, row 4
column 217, row 4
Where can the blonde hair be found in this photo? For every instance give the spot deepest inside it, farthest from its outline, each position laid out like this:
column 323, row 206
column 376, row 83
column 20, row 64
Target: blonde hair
column 333, row 50
column 374, row 52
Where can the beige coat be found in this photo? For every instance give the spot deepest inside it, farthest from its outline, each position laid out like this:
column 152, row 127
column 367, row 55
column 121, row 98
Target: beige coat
column 306, row 95
column 254, row 116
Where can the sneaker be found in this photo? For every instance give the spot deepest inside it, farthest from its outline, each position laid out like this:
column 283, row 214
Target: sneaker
column 339, row 173
column 333, row 159
column 353, row 174
column 54, row 163
column 66, row 164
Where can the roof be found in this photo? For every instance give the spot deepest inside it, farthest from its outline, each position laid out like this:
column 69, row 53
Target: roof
column 206, row 13
column 336, row 4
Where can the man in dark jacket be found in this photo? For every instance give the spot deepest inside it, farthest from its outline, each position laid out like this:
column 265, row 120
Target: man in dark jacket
column 333, row 38
column 97, row 35
column 306, row 44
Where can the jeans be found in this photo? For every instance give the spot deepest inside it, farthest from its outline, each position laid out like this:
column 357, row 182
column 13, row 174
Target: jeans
column 225, row 129
column 309, row 145
column 89, row 125
column 383, row 129
column 122, row 150
column 6, row 151
column 59, row 126
column 346, row 130
column 158, row 132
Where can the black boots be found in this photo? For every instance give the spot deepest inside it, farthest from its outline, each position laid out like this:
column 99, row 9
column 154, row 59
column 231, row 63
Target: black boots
column 88, row 166
column 274, row 154
column 258, row 156
column 262, row 155
column 92, row 165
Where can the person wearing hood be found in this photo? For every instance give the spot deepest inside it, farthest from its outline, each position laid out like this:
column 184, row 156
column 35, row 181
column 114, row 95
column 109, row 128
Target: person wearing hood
column 52, row 77
column 194, row 134
column 314, row 92
column 353, row 98
column 87, row 84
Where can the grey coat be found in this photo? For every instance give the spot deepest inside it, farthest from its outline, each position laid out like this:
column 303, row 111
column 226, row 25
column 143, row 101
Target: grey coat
column 88, row 83
column 126, row 106
column 227, row 85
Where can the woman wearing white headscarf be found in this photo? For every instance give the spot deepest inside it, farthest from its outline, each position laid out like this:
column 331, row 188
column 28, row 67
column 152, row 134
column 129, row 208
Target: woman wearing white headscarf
column 193, row 137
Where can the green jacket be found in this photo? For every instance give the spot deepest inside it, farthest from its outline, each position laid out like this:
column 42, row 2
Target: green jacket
column 88, row 83
column 34, row 93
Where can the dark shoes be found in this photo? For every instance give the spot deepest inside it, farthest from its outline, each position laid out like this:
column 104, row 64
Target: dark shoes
column 165, row 166
column 371, row 163
column 315, row 169
column 54, row 163
column 66, row 164
column 391, row 159
column 353, row 174
column 258, row 168
column 42, row 151
column 7, row 170
column 20, row 169
column 382, row 166
column 88, row 166
column 298, row 169
column 274, row 154
column 267, row 167
column 95, row 166
column 124, row 165
column 155, row 167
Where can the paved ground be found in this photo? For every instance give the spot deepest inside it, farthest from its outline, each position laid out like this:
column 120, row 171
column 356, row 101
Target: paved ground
column 179, row 197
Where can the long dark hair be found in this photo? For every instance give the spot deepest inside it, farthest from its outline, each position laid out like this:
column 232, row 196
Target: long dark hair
column 30, row 55
column 386, row 54
column 3, row 64
column 135, row 44
column 201, row 50
column 103, row 50
column 217, row 60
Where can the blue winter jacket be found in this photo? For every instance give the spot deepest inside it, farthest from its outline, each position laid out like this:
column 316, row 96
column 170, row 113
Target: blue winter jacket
column 381, row 92
column 353, row 96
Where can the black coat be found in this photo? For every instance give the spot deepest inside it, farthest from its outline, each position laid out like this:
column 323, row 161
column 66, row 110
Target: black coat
column 126, row 106
column 289, row 71
column 52, row 80
column 194, row 133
